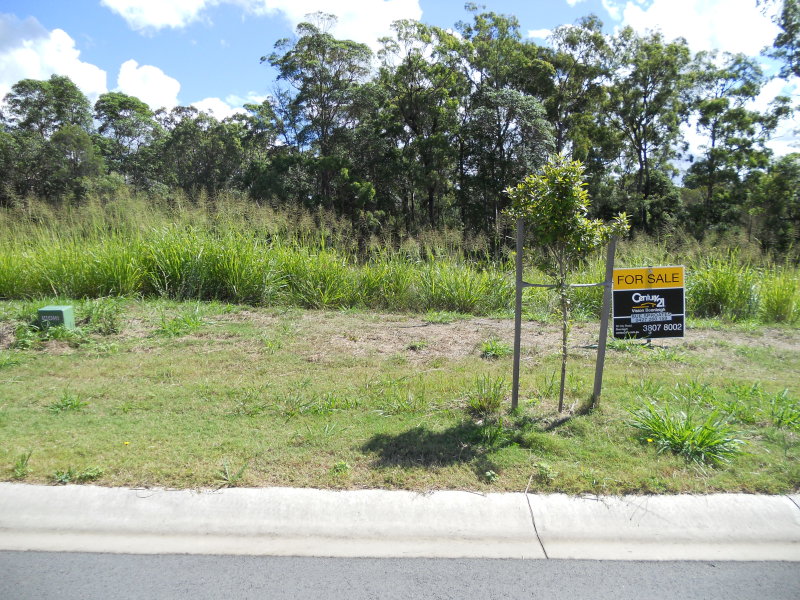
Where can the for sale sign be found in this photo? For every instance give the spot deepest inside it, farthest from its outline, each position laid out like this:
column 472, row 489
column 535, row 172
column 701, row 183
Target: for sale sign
column 648, row 302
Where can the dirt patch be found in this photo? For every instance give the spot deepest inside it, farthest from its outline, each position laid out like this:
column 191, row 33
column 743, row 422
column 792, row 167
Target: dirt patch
column 7, row 336
column 420, row 341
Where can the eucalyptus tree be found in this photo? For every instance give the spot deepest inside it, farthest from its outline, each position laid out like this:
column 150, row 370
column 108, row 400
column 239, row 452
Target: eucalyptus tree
column 47, row 123
column 736, row 135
column 44, row 106
column 422, row 87
column 786, row 46
column 504, row 132
column 647, row 104
column 775, row 205
column 324, row 73
column 128, row 129
column 581, row 57
column 198, row 152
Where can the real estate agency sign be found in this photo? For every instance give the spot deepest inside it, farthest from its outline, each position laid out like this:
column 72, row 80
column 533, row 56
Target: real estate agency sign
column 648, row 302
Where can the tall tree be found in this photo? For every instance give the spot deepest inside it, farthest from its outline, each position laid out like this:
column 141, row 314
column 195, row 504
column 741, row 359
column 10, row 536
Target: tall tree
column 504, row 134
column 325, row 73
column 423, row 87
column 44, row 107
column 128, row 128
column 736, row 136
column 580, row 56
column 647, row 105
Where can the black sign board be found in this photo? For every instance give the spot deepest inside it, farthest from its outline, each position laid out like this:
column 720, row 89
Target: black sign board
column 648, row 312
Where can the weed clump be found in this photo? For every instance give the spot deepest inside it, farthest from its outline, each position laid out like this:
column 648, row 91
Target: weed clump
column 704, row 441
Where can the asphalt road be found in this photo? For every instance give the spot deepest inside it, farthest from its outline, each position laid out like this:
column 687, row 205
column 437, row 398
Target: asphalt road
column 43, row 575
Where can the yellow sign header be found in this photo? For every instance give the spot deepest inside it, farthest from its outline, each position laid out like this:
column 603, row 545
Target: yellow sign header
column 644, row 278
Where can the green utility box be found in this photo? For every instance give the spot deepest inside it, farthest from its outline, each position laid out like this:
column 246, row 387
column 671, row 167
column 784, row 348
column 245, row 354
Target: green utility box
column 57, row 315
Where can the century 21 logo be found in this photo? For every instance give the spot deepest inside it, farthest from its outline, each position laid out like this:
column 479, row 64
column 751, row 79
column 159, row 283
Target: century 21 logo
column 648, row 300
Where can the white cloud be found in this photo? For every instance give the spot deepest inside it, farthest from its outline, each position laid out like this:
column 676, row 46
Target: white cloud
column 360, row 20
column 29, row 51
column 148, row 83
column 217, row 108
column 231, row 105
column 786, row 138
column 574, row 2
column 727, row 25
column 612, row 8
column 143, row 15
column 539, row 34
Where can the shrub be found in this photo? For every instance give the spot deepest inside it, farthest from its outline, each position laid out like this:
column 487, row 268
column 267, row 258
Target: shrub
column 486, row 398
column 707, row 441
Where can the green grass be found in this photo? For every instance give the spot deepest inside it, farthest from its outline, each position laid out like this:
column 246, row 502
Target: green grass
column 277, row 396
column 230, row 250
column 494, row 348
column 706, row 440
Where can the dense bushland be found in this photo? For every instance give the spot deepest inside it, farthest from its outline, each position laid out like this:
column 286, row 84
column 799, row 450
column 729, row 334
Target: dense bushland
column 238, row 251
column 426, row 133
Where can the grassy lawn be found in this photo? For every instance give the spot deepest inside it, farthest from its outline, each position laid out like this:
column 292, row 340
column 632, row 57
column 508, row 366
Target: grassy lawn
column 161, row 393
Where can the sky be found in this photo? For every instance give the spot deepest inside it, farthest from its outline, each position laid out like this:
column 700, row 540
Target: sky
column 206, row 53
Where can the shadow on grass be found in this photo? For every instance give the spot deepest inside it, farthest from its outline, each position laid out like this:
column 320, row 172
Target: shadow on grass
column 421, row 447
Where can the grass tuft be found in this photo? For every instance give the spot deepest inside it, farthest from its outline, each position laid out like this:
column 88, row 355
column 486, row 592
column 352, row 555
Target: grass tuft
column 709, row 441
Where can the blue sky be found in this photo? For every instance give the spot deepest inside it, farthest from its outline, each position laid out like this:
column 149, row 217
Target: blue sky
column 206, row 52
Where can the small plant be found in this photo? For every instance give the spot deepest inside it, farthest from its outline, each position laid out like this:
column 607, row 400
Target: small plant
column 341, row 469
column 708, row 441
column 74, row 476
column 68, row 401
column 102, row 315
column 8, row 360
column 180, row 325
column 544, row 473
column 493, row 434
column 494, row 348
column 491, row 476
column 64, row 477
column 230, row 477
column 272, row 345
column 20, row 469
column 785, row 410
column 442, row 317
column 417, row 345
column 486, row 398
column 623, row 344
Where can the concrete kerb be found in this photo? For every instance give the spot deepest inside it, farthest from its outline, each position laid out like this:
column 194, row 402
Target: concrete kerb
column 682, row 527
column 376, row 523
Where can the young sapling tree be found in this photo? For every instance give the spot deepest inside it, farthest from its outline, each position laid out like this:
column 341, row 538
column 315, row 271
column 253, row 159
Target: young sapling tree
column 553, row 204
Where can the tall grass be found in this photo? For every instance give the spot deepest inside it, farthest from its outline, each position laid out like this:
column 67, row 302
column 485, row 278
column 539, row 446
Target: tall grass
column 236, row 250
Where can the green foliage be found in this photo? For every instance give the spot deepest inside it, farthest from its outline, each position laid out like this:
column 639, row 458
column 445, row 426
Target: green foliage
column 20, row 468
column 784, row 410
column 704, row 441
column 230, row 477
column 486, row 398
column 554, row 205
column 341, row 469
column 779, row 296
column 71, row 475
column 494, row 348
column 722, row 287
column 181, row 325
column 69, row 401
column 103, row 315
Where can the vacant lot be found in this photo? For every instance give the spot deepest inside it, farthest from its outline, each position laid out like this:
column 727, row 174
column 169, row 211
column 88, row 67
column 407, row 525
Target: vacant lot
column 158, row 393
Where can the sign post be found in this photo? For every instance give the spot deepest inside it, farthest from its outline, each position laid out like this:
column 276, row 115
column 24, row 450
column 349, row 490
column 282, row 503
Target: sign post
column 649, row 302
column 599, row 364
